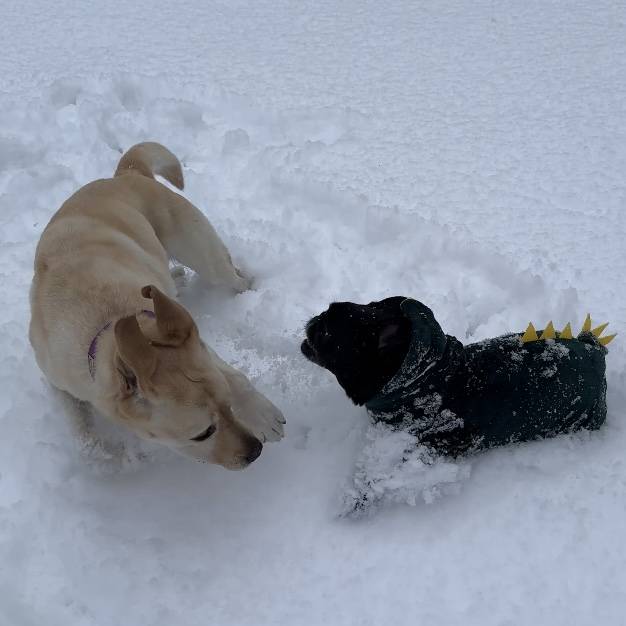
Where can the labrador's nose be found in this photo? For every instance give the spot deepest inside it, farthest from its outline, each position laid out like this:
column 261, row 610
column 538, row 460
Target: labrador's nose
column 255, row 451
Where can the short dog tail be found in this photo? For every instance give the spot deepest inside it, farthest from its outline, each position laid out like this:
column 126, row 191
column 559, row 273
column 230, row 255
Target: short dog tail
column 150, row 158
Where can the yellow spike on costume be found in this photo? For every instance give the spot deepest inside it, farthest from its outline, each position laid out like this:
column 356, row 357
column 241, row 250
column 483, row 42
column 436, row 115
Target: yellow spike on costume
column 587, row 325
column 530, row 334
column 548, row 331
column 598, row 330
column 606, row 340
column 566, row 333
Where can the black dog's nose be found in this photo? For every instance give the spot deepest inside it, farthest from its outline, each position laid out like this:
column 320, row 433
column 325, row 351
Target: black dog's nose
column 255, row 451
column 307, row 349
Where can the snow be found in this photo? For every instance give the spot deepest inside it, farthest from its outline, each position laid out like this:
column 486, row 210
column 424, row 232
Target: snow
column 394, row 468
column 469, row 154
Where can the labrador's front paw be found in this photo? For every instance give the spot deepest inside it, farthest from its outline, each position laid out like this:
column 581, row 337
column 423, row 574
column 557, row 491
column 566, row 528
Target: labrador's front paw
column 262, row 418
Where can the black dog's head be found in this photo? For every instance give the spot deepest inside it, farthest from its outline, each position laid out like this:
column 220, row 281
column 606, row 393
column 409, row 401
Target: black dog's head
column 363, row 345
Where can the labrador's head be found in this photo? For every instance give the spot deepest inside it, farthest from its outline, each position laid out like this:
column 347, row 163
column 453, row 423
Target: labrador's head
column 363, row 345
column 170, row 391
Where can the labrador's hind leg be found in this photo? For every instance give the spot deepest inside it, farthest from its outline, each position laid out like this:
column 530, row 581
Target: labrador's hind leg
column 190, row 238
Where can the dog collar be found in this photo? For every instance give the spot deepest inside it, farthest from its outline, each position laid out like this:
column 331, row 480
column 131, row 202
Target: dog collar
column 93, row 346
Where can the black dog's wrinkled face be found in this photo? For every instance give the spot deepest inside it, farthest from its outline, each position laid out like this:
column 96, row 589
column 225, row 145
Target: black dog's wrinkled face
column 363, row 345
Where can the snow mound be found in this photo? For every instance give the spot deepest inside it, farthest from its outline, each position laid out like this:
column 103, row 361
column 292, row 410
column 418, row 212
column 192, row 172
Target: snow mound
column 393, row 468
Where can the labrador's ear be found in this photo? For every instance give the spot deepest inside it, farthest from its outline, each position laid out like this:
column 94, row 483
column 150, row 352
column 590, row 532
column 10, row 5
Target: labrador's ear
column 390, row 336
column 135, row 349
column 173, row 321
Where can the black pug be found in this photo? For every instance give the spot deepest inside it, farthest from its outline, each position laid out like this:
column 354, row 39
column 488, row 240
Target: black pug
column 393, row 357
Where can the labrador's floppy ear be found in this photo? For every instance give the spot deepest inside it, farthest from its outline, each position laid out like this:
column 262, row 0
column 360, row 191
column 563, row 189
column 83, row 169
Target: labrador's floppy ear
column 173, row 321
column 134, row 348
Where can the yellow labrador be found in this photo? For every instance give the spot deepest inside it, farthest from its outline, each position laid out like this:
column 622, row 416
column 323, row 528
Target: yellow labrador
column 106, row 327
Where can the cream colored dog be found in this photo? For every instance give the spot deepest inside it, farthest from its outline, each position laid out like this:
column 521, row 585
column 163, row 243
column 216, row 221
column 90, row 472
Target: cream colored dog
column 106, row 327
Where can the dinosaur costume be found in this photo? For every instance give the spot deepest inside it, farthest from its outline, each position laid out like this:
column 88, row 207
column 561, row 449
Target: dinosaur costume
column 516, row 387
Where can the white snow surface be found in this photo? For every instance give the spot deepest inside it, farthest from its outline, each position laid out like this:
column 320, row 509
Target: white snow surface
column 470, row 154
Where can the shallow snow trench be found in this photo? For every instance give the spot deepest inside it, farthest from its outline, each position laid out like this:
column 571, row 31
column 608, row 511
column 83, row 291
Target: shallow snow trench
column 532, row 534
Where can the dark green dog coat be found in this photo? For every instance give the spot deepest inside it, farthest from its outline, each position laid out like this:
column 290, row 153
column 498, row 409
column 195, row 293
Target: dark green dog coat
column 459, row 398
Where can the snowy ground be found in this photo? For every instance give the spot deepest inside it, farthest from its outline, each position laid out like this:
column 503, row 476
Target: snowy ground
column 469, row 154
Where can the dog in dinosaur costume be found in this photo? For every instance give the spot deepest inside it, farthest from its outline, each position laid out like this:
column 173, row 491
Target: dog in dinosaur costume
column 393, row 357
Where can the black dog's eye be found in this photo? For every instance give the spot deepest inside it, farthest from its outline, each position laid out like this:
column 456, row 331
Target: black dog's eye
column 203, row 436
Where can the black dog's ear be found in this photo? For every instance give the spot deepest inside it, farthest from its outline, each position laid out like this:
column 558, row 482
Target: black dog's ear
column 390, row 336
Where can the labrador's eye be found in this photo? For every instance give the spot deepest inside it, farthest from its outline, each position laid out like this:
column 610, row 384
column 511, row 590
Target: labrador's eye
column 203, row 436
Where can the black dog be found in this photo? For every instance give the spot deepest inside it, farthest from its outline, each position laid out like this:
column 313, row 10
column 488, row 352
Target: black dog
column 393, row 357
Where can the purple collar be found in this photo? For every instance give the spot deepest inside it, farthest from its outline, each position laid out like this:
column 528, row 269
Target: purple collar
column 93, row 346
